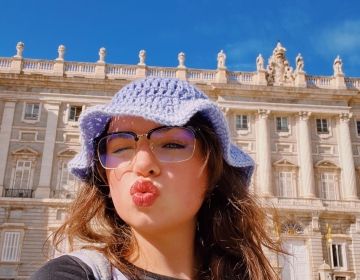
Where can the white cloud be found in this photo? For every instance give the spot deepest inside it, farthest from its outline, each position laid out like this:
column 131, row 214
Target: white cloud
column 342, row 39
column 242, row 55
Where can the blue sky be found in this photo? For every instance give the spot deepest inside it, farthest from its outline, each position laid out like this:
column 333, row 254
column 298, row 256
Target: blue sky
column 319, row 30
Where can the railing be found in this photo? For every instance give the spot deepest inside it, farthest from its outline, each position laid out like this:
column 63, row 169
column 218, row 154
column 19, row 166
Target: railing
column 120, row 71
column 352, row 83
column 334, row 205
column 161, row 72
column 242, row 77
column 201, row 75
column 63, row 194
column 18, row 192
column 117, row 71
column 5, row 62
column 319, row 81
column 30, row 65
column 81, row 69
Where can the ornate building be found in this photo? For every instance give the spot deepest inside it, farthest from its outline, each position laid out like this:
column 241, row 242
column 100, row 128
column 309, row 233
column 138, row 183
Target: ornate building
column 303, row 132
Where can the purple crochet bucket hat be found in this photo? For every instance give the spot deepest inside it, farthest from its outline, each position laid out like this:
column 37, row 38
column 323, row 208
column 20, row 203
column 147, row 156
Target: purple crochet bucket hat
column 166, row 101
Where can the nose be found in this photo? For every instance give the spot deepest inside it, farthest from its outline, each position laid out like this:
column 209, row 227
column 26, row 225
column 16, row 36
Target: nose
column 144, row 162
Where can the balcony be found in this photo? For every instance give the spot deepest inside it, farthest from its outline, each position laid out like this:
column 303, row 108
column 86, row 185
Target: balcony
column 24, row 193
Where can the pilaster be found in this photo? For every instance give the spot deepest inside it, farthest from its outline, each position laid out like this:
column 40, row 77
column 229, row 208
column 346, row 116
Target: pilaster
column 307, row 181
column 5, row 134
column 264, row 154
column 347, row 159
column 43, row 190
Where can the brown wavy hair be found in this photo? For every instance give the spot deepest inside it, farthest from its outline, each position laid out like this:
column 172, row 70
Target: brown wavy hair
column 230, row 236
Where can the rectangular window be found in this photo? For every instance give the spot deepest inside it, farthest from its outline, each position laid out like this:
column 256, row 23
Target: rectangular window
column 22, row 175
column 74, row 113
column 11, row 246
column 340, row 278
column 285, row 184
column 358, row 127
column 282, row 124
column 32, row 111
column 327, row 184
column 322, row 126
column 242, row 122
column 67, row 179
column 337, row 254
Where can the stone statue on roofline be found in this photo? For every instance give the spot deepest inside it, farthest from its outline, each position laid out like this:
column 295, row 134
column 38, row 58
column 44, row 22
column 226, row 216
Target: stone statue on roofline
column 142, row 57
column 102, row 54
column 61, row 53
column 221, row 59
column 19, row 50
column 181, row 59
column 299, row 64
column 279, row 71
column 337, row 66
column 260, row 63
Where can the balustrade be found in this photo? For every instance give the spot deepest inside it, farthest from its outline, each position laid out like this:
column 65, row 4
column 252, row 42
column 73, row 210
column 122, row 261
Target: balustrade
column 79, row 68
column 120, row 71
column 30, row 65
column 161, row 72
column 18, row 193
column 319, row 81
column 5, row 62
column 114, row 71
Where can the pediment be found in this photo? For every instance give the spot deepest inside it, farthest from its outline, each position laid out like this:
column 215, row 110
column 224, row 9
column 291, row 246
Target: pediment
column 326, row 164
column 25, row 151
column 66, row 153
column 284, row 162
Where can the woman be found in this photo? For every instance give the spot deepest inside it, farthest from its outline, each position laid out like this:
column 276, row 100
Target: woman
column 165, row 193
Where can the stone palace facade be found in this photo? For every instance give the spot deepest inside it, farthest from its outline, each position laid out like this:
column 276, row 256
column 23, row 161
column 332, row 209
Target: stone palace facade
column 303, row 132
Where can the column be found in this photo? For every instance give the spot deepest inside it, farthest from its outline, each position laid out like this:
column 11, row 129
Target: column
column 43, row 190
column 307, row 181
column 264, row 154
column 5, row 134
column 346, row 158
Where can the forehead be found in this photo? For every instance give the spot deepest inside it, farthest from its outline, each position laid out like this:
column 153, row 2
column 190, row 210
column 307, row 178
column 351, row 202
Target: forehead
column 131, row 123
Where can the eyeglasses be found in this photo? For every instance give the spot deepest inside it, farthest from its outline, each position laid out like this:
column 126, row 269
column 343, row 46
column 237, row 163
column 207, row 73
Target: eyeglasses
column 168, row 144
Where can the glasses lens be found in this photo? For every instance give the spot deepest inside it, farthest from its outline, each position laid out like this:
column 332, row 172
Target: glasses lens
column 116, row 149
column 173, row 144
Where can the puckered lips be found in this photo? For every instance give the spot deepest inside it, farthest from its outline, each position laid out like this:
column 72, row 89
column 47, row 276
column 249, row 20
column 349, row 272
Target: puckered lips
column 144, row 193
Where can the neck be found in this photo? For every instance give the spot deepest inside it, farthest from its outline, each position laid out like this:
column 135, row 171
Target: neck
column 169, row 253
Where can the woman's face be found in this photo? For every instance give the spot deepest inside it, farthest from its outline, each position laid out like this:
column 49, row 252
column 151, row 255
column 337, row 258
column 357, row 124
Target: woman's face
column 154, row 196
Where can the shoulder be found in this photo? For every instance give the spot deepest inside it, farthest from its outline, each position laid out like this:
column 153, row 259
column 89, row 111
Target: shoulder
column 65, row 268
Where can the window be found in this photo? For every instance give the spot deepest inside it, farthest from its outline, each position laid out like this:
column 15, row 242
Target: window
column 358, row 127
column 282, row 124
column 322, row 126
column 66, row 178
column 11, row 246
column 242, row 122
column 32, row 111
column 22, row 175
column 327, row 185
column 337, row 253
column 74, row 113
column 340, row 278
column 285, row 185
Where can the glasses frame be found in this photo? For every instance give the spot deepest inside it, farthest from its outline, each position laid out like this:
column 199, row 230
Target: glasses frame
column 137, row 137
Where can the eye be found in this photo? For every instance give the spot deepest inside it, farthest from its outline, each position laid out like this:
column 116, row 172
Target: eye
column 121, row 150
column 173, row 146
